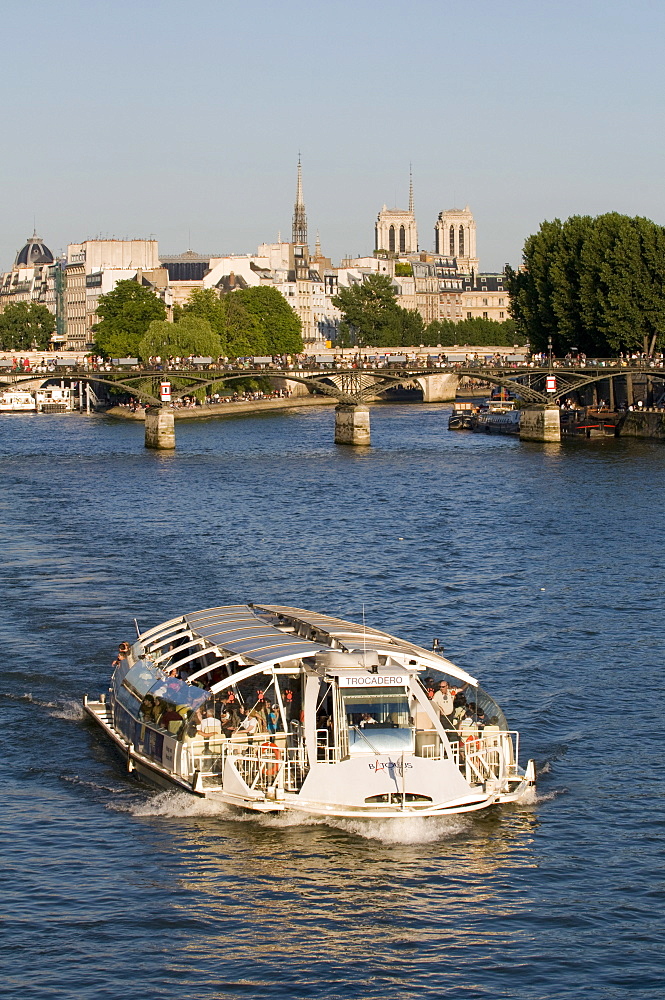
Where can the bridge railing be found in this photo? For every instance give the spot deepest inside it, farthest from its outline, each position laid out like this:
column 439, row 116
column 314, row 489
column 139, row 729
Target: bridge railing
column 380, row 363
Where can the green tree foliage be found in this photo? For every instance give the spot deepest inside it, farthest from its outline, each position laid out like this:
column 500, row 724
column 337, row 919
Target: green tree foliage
column 369, row 309
column 596, row 284
column 24, row 327
column 279, row 325
column 472, row 333
column 403, row 270
column 126, row 313
column 250, row 321
column 192, row 335
column 373, row 318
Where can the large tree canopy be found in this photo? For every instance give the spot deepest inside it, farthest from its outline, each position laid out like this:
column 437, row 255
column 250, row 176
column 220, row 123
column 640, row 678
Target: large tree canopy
column 250, row 321
column 369, row 310
column 279, row 325
column 192, row 335
column 126, row 313
column 24, row 327
column 597, row 284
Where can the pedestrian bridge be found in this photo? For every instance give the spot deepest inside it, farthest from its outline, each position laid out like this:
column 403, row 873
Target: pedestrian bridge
column 537, row 386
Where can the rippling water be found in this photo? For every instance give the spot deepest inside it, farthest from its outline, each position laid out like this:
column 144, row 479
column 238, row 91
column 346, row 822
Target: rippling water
column 538, row 567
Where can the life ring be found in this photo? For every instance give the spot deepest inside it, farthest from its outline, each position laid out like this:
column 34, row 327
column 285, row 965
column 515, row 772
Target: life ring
column 270, row 754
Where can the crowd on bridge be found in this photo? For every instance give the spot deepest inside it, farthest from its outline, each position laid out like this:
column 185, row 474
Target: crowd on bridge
column 456, row 360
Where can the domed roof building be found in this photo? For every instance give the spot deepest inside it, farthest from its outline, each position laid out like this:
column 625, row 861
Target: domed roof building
column 34, row 252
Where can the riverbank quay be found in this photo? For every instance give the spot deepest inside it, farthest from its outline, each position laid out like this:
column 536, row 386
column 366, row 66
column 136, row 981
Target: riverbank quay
column 226, row 409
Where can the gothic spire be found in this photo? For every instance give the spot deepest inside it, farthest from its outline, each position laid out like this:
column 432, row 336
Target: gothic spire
column 299, row 230
column 410, row 189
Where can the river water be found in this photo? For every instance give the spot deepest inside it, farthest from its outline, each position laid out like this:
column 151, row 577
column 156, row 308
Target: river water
column 538, row 567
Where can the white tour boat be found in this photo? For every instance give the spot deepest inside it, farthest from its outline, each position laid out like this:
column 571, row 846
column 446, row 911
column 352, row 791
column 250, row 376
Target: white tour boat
column 272, row 708
column 17, row 401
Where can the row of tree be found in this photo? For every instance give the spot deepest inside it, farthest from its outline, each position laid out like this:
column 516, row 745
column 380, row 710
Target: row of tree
column 252, row 321
column 594, row 284
column 371, row 316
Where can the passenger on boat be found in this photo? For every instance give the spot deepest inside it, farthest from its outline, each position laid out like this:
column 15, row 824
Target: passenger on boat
column 227, row 722
column 150, row 709
column 443, row 699
column 123, row 653
column 249, row 724
column 210, row 724
column 170, row 719
column 367, row 720
column 272, row 718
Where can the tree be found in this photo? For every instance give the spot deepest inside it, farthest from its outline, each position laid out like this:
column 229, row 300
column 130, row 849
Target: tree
column 369, row 309
column 24, row 327
column 249, row 321
column 192, row 335
column 406, row 330
column 126, row 313
column 596, row 284
column 280, row 327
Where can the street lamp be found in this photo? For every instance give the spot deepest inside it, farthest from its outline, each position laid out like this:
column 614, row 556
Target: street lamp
column 549, row 349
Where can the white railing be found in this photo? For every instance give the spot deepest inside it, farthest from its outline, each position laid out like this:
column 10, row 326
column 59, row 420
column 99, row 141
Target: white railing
column 261, row 765
column 490, row 755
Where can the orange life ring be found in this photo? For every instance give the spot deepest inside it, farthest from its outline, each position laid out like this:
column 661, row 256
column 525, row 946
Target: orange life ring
column 271, row 754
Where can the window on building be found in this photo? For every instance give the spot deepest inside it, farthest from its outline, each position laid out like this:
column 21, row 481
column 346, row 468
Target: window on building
column 500, row 302
column 500, row 315
column 485, row 316
column 484, row 302
column 391, row 239
column 468, row 315
column 461, row 241
column 402, row 239
column 452, row 241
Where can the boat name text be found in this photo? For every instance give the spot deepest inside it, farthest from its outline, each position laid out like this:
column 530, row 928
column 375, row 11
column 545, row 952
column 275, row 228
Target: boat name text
column 372, row 680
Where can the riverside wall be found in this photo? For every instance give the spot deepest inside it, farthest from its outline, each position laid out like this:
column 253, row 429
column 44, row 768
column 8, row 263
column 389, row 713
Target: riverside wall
column 228, row 409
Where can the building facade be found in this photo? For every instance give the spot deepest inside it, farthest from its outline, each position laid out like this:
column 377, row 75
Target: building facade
column 485, row 296
column 94, row 268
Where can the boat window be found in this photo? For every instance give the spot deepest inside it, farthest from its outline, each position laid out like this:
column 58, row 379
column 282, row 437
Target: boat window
column 378, row 721
column 170, row 703
column 135, row 685
column 387, row 708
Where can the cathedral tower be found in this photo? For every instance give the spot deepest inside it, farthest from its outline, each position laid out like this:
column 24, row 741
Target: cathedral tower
column 455, row 236
column 396, row 229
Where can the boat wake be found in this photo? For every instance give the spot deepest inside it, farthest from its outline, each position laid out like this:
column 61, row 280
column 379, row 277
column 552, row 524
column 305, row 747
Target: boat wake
column 173, row 805
column 70, row 709
column 410, row 830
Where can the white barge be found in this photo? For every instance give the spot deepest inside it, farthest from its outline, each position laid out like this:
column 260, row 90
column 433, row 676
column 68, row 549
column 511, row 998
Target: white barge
column 272, row 708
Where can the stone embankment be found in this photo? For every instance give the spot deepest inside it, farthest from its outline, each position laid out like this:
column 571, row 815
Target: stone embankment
column 227, row 409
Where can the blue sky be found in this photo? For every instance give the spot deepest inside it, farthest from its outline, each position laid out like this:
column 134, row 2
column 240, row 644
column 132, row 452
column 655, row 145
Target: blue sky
column 184, row 120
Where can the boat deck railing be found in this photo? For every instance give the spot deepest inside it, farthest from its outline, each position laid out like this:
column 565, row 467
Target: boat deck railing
column 265, row 767
column 489, row 755
column 261, row 765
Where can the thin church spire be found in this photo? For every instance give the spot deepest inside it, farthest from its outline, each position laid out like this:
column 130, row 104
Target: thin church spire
column 410, row 189
column 299, row 229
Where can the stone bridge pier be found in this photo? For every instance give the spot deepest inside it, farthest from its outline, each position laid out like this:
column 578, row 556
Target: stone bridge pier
column 160, row 428
column 541, row 422
column 352, row 424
